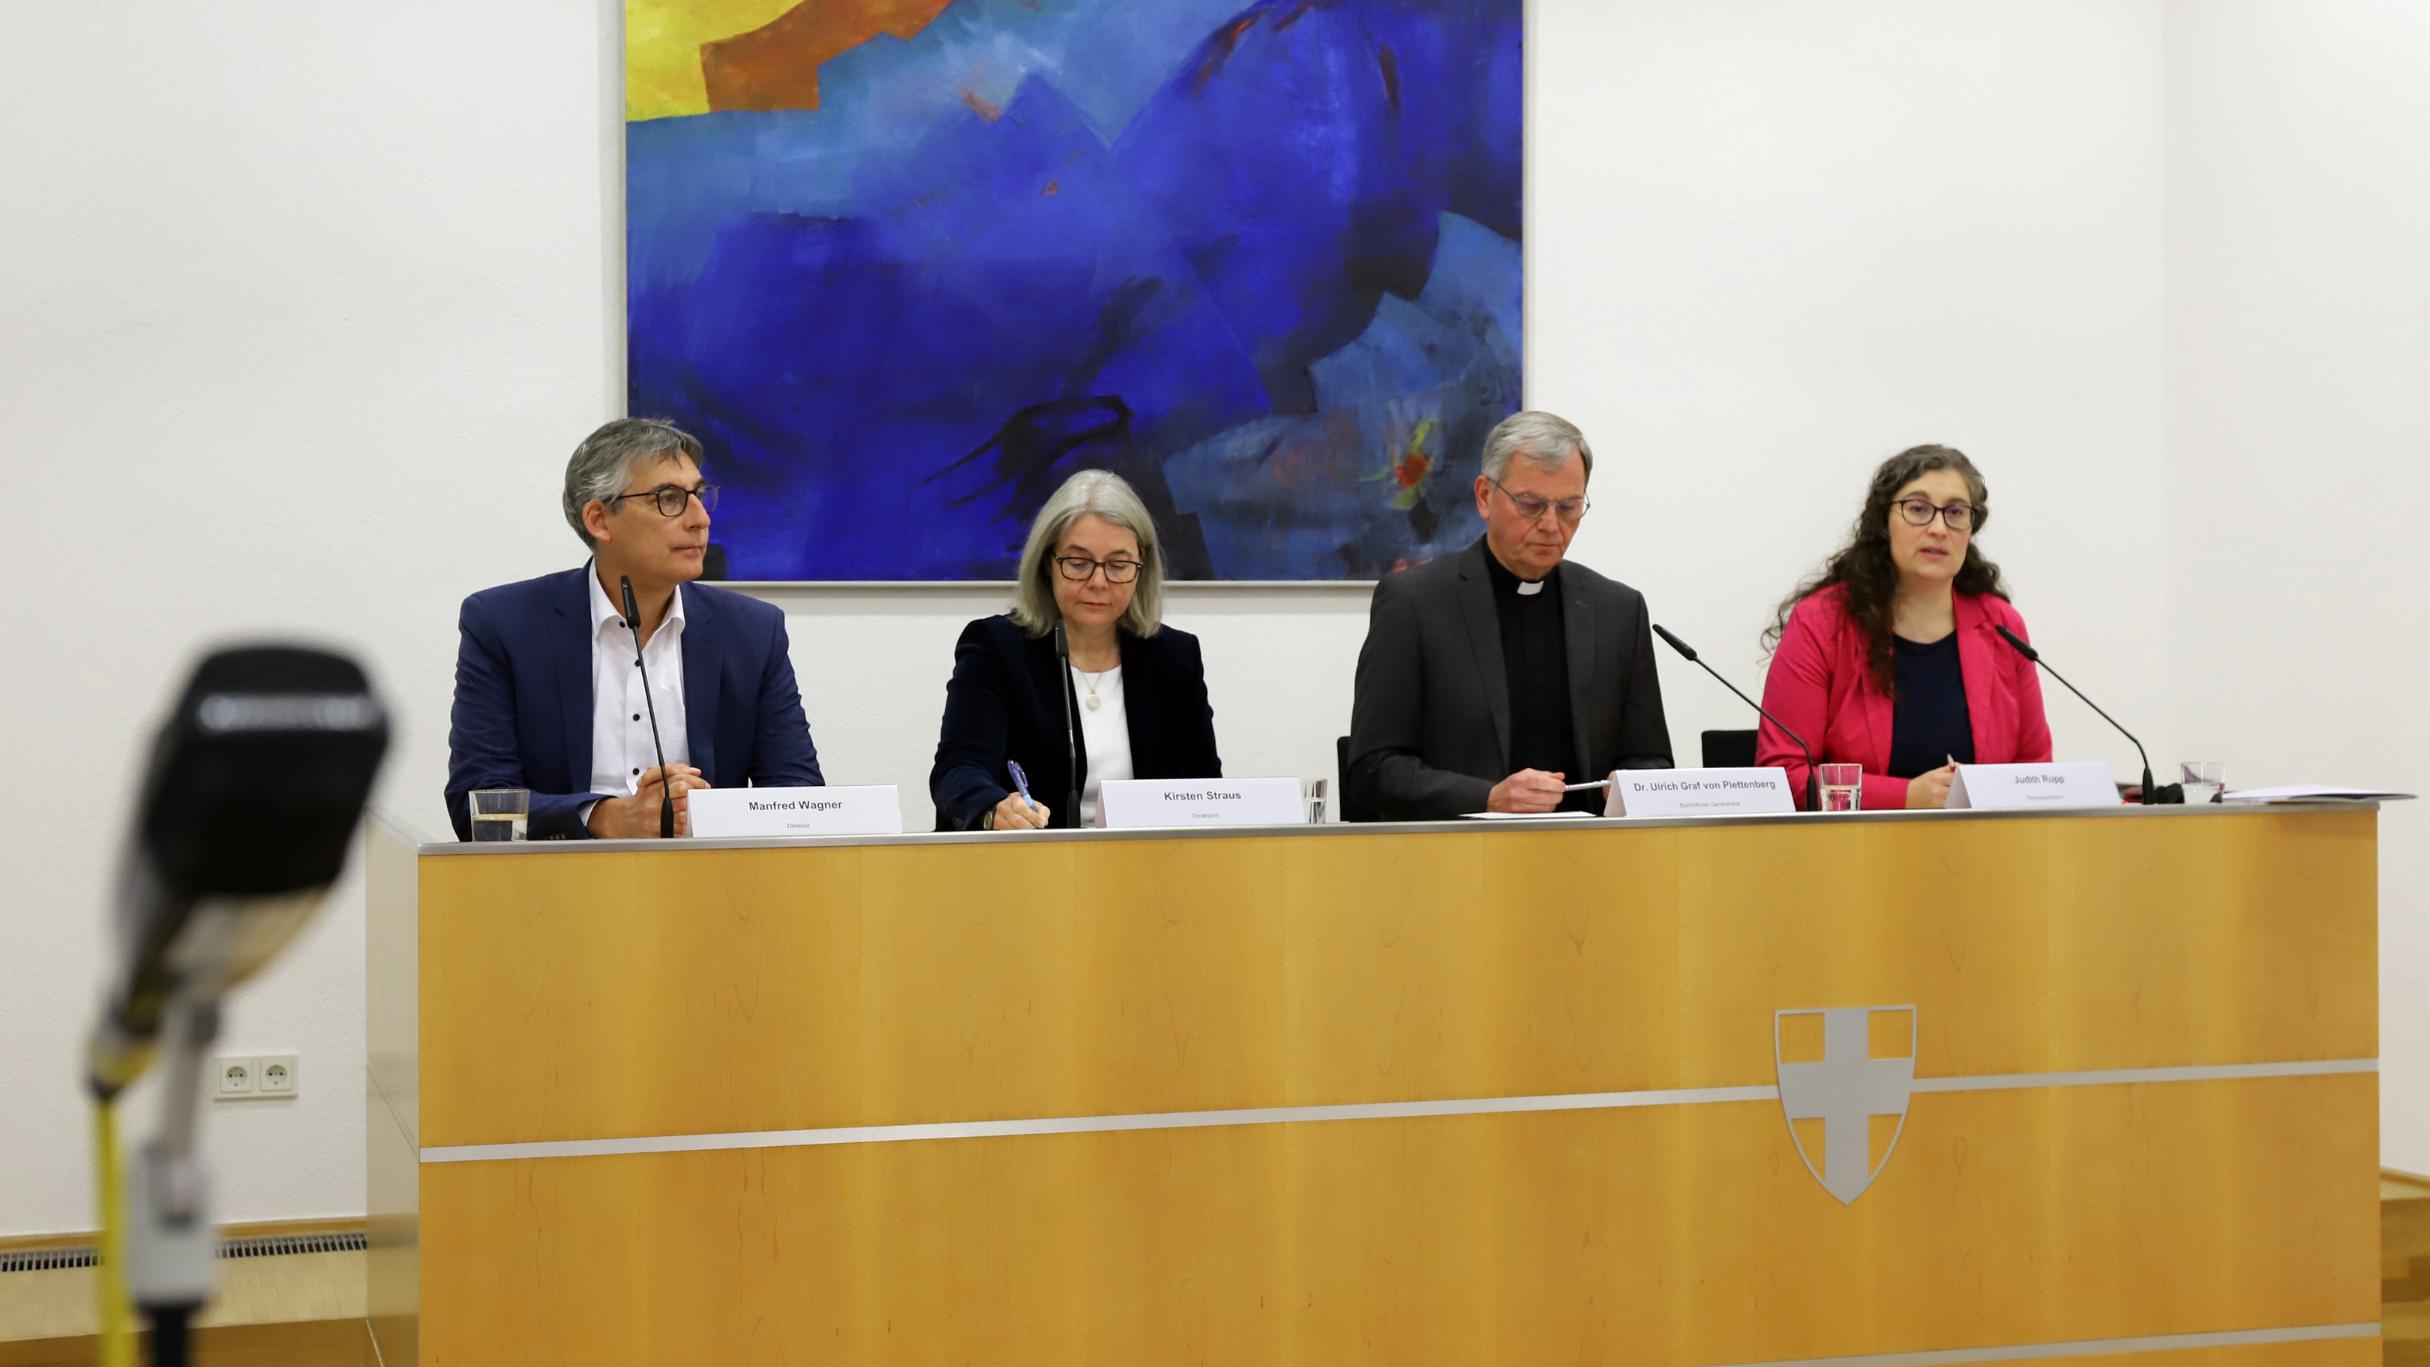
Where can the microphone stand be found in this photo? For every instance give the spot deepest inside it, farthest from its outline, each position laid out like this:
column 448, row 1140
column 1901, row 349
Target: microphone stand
column 1813, row 781
column 1071, row 722
column 666, row 794
column 171, row 1245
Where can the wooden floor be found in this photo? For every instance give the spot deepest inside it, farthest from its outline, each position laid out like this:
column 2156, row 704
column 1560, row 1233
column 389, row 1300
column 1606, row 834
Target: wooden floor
column 289, row 1311
column 307, row 1310
column 2404, row 1250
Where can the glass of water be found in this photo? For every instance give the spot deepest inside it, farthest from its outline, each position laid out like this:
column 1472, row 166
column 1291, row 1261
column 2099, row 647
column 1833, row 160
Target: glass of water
column 1316, row 791
column 1842, row 785
column 499, row 813
column 2205, row 780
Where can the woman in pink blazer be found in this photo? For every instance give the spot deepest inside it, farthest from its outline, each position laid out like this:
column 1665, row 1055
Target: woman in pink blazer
column 1889, row 659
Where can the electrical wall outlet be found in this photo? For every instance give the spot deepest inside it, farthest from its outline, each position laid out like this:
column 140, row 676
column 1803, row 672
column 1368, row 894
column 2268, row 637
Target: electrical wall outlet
column 254, row 1077
column 274, row 1075
column 236, row 1077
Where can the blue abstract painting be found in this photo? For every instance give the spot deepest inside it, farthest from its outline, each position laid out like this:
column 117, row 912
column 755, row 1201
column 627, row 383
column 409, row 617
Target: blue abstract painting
column 903, row 265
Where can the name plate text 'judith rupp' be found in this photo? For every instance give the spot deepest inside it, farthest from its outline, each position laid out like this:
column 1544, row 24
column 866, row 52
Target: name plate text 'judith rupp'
column 1698, row 792
column 871, row 810
column 2032, row 787
column 1138, row 803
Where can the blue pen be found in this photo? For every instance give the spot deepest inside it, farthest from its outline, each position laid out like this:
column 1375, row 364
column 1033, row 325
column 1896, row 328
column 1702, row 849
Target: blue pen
column 1020, row 780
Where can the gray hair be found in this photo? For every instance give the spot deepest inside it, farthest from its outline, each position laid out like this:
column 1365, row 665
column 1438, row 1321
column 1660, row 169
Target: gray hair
column 608, row 457
column 1544, row 439
column 1104, row 493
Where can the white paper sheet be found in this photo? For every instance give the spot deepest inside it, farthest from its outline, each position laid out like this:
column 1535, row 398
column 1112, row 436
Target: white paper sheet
column 2313, row 792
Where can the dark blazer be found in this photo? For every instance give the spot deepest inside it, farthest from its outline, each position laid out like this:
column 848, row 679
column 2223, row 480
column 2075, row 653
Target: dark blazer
column 1009, row 699
column 522, row 715
column 1430, row 717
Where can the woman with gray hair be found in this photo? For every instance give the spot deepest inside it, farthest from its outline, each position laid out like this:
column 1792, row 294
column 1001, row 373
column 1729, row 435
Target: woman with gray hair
column 1131, row 697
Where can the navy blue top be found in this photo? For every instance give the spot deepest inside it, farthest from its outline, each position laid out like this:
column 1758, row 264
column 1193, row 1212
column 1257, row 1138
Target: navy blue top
column 1931, row 726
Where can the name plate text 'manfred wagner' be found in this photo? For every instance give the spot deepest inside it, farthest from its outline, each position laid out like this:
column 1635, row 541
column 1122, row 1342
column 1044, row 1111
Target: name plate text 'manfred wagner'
column 763, row 812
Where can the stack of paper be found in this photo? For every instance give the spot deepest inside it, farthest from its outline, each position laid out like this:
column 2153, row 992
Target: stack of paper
column 2313, row 792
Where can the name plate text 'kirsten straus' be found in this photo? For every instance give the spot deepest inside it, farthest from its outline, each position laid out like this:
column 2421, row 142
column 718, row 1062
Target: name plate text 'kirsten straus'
column 1698, row 792
column 1140, row 803
column 763, row 812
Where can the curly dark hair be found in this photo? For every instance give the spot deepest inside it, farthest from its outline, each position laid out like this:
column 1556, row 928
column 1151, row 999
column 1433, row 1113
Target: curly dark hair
column 1864, row 565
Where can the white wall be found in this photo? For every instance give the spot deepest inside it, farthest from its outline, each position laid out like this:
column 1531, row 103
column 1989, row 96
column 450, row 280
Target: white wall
column 356, row 274
column 2299, row 419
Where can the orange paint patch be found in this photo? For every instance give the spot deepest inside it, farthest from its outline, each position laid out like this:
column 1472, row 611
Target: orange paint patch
column 1220, row 48
column 775, row 66
column 981, row 107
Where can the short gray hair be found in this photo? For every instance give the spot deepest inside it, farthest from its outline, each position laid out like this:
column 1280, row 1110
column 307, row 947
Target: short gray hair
column 1546, row 441
column 1106, row 494
column 608, row 457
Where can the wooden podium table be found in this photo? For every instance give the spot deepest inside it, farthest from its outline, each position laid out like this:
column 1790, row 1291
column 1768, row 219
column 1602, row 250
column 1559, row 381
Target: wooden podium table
column 2099, row 1088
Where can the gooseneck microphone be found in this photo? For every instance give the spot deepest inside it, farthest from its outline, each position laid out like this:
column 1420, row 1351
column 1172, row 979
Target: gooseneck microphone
column 666, row 786
column 1813, row 788
column 1071, row 728
column 2173, row 794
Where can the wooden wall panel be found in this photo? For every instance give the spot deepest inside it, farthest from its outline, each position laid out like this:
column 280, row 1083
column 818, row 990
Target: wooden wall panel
column 660, row 992
column 1673, row 1236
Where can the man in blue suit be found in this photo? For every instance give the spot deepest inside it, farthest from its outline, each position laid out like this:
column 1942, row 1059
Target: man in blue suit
column 549, row 696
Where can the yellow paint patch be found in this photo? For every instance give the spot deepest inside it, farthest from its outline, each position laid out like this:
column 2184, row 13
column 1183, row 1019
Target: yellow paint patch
column 662, row 40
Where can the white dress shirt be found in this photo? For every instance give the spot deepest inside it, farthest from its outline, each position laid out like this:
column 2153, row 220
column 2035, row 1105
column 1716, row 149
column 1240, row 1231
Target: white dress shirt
column 620, row 719
column 1105, row 731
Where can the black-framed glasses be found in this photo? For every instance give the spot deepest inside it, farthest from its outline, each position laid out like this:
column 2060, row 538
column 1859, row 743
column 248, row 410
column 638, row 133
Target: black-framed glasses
column 1078, row 568
column 673, row 498
column 1960, row 516
column 1534, row 506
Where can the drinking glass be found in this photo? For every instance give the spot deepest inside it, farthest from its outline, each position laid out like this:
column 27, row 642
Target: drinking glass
column 2205, row 780
column 499, row 813
column 1842, row 786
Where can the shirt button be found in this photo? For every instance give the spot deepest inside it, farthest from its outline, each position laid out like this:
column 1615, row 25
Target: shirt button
column 637, row 716
column 636, row 773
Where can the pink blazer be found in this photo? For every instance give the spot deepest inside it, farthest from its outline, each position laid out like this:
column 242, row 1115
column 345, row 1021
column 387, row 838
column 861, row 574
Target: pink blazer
column 1818, row 684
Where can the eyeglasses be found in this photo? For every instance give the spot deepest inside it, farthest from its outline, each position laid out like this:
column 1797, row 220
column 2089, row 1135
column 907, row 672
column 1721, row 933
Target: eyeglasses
column 1957, row 517
column 1078, row 568
column 1534, row 506
column 673, row 498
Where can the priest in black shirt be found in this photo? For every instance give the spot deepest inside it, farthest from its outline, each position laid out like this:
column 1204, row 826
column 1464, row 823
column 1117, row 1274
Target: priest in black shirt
column 1492, row 677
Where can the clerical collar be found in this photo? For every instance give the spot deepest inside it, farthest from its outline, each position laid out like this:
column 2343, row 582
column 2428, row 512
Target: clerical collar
column 1506, row 582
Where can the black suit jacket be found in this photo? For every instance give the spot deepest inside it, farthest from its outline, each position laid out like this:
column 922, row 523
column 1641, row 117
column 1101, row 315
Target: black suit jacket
column 1009, row 699
column 1430, row 718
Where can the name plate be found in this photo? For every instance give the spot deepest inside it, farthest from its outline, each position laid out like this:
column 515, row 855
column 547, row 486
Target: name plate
column 871, row 810
column 1139, row 803
column 2034, row 787
column 1698, row 792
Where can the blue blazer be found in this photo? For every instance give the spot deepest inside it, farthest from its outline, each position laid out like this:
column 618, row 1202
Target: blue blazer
column 522, row 714
column 1010, row 699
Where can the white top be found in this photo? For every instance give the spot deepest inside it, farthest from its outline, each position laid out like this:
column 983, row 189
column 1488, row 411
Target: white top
column 1105, row 732
column 620, row 721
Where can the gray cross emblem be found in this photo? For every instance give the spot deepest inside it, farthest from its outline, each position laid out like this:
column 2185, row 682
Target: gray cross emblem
column 1845, row 1091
